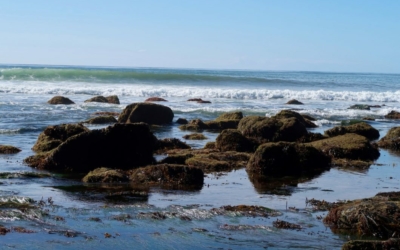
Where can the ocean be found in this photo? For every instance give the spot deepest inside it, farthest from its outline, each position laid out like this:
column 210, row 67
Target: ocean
column 65, row 221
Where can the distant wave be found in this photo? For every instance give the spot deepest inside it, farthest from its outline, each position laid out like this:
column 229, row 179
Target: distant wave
column 176, row 91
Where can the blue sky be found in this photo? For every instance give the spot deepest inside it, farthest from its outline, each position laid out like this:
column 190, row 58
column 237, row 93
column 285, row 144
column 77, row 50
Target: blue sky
column 339, row 36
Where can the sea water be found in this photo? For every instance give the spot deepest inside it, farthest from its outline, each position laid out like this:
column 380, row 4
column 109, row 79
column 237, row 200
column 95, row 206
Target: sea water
column 65, row 218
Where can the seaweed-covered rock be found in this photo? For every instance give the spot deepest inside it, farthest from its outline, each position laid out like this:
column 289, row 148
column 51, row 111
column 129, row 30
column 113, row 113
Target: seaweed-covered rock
column 53, row 136
column 285, row 158
column 392, row 243
column 155, row 99
column 150, row 113
column 97, row 99
column 168, row 175
column 350, row 146
column 7, row 149
column 113, row 99
column 264, row 129
column 378, row 216
column 210, row 145
column 123, row 146
column 393, row 115
column 105, row 175
column 195, row 136
column 218, row 161
column 195, row 124
column 294, row 102
column 170, row 143
column 60, row 100
column 106, row 113
column 222, row 124
column 233, row 140
column 360, row 106
column 237, row 115
column 391, row 140
column 101, row 120
column 292, row 114
column 361, row 128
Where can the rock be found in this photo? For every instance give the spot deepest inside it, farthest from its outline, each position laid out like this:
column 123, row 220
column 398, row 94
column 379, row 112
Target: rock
column 246, row 210
column 360, row 106
column 361, row 128
column 168, row 175
column 378, row 216
column 264, row 129
column 113, row 99
column 393, row 115
column 391, row 140
column 230, row 116
column 195, row 136
column 353, row 165
column 182, row 121
column 233, row 140
column 222, row 124
column 218, row 161
column 368, row 118
column 170, row 143
column 105, row 175
column 209, row 145
column 122, row 146
column 287, row 159
column 53, row 136
column 150, row 113
column 292, row 114
column 7, row 149
column 195, row 125
column 310, row 137
column 348, row 146
column 60, row 100
column 97, row 99
column 36, row 161
column 285, row 225
column 308, row 117
column 294, row 102
column 389, row 244
column 203, row 101
column 106, row 113
column 101, row 120
column 155, row 99
column 195, row 100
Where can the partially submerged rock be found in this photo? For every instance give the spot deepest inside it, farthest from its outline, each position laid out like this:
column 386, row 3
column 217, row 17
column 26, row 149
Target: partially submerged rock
column 286, row 225
column 150, row 113
column 105, row 175
column 217, row 161
column 391, row 140
column 393, row 115
column 287, row 159
column 97, row 99
column 361, row 128
column 349, row 146
column 264, row 129
column 155, row 99
column 53, row 136
column 60, row 100
column 123, row 146
column 360, row 106
column 101, row 120
column 168, row 175
column 246, row 210
column 195, row 136
column 291, row 114
column 170, row 143
column 294, row 102
column 392, row 243
column 113, row 99
column 7, row 149
column 378, row 216
column 194, row 125
column 182, row 121
column 233, row 140
column 106, row 113
column 237, row 115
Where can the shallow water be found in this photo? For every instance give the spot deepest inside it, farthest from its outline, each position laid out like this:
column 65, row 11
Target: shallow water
column 66, row 215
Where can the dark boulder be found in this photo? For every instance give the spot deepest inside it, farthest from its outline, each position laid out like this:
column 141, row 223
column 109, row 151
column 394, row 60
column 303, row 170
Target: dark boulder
column 217, row 161
column 155, row 99
column 122, row 146
column 361, row 128
column 230, row 116
column 291, row 114
column 349, row 146
column 106, row 113
column 287, row 159
column 264, row 129
column 182, row 121
column 53, row 136
column 7, row 149
column 97, row 99
column 393, row 115
column 195, row 136
column 168, row 175
column 392, row 243
column 60, row 100
column 113, row 99
column 391, row 140
column 360, row 106
column 222, row 124
column 105, row 175
column 195, row 100
column 294, row 102
column 150, row 113
column 233, row 140
column 101, row 120
column 195, row 125
column 203, row 101
column 170, row 143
